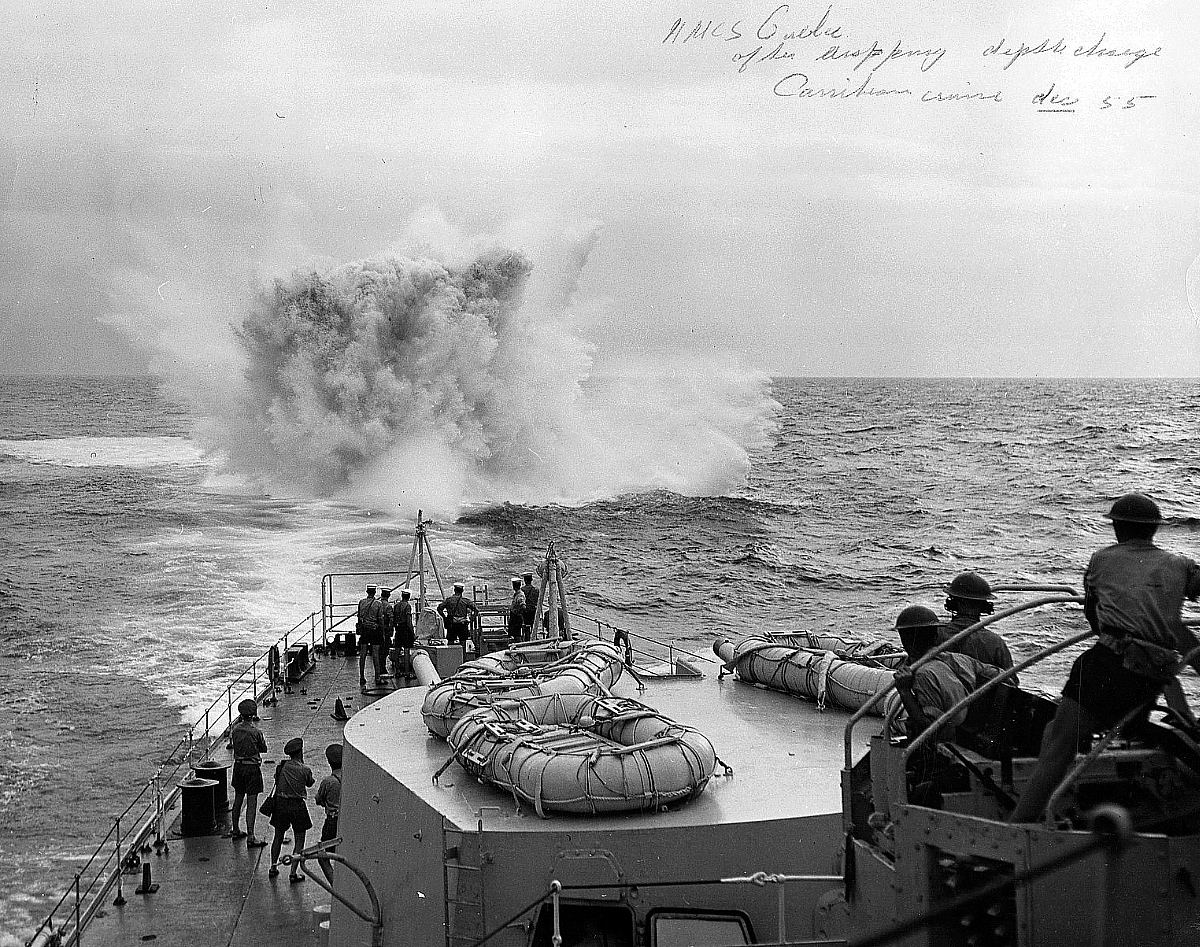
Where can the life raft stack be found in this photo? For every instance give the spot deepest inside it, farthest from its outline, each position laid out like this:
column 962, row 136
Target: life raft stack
column 592, row 668
column 556, row 738
column 584, row 754
column 842, row 672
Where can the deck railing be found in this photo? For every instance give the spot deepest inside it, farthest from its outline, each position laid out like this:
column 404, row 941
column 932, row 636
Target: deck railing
column 128, row 841
column 649, row 648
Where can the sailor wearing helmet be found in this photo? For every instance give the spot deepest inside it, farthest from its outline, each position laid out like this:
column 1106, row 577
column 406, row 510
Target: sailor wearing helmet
column 1133, row 594
column 968, row 599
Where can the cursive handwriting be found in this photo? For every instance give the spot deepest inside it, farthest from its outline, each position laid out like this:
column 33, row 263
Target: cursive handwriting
column 929, row 57
column 1014, row 52
column 772, row 27
column 822, row 52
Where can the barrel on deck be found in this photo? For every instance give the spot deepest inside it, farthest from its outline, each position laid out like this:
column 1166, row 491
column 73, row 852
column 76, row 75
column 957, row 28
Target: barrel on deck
column 213, row 769
column 199, row 808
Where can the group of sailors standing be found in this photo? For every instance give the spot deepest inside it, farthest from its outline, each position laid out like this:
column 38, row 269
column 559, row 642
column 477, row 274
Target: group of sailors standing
column 386, row 628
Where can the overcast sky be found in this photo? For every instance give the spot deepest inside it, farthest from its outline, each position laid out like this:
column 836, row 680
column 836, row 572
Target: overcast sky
column 165, row 155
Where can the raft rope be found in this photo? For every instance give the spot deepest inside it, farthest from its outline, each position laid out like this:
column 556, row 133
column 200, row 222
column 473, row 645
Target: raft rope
column 552, row 745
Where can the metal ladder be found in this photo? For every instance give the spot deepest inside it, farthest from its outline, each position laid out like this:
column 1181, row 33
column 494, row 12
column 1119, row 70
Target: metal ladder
column 462, row 880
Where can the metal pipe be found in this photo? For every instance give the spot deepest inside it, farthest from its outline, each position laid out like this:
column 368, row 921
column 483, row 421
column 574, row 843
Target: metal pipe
column 934, row 652
column 991, row 685
column 375, row 918
column 1022, row 587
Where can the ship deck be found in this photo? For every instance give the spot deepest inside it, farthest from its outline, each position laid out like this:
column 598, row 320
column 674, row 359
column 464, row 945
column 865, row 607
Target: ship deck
column 214, row 891
column 786, row 757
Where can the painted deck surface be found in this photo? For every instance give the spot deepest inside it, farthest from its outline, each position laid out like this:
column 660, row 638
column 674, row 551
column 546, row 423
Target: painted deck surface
column 214, row 891
column 786, row 756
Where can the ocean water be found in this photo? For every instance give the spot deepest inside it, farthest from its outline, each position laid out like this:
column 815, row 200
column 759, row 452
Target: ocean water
column 139, row 575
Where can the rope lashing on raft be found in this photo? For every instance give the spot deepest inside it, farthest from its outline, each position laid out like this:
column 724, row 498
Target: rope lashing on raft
column 820, row 676
column 584, row 754
column 591, row 669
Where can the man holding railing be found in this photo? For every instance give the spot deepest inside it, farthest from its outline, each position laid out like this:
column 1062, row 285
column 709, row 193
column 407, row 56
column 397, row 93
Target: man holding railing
column 1133, row 596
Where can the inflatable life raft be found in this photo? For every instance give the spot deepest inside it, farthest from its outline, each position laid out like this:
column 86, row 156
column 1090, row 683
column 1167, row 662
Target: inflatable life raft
column 582, row 753
column 880, row 652
column 592, row 668
column 808, row 672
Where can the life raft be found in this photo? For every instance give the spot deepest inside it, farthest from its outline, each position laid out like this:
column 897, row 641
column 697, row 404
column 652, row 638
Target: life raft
column 582, row 753
column 813, row 674
column 592, row 668
column 879, row 651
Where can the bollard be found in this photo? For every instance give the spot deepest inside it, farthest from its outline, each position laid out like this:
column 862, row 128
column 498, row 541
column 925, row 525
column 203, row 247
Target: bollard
column 219, row 772
column 199, row 814
column 146, row 887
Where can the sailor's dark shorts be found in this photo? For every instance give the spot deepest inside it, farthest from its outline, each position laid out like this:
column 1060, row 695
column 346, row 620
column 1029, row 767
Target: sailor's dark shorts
column 246, row 778
column 291, row 814
column 1102, row 686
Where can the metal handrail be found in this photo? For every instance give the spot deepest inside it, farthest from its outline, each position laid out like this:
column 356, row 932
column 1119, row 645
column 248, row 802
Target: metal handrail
column 944, row 646
column 1026, row 587
column 218, row 713
column 927, row 734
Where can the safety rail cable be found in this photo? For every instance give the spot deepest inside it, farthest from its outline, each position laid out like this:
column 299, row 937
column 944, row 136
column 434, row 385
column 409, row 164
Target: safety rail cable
column 1103, row 743
column 601, row 623
column 944, row 646
column 145, row 820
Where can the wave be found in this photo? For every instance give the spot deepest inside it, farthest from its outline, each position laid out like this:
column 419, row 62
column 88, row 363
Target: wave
column 431, row 380
column 159, row 451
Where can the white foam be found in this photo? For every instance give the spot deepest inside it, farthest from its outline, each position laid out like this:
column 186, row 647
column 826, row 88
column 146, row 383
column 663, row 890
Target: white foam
column 152, row 451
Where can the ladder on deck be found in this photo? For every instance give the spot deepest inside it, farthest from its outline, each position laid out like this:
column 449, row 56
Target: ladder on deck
column 462, row 879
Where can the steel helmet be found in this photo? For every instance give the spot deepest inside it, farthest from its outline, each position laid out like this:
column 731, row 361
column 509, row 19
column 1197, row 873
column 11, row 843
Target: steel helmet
column 1135, row 508
column 917, row 616
column 970, row 585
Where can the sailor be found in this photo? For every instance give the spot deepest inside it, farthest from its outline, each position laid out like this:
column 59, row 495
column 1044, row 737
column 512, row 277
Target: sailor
column 248, row 746
column 386, row 625
column 969, row 598
column 516, row 611
column 405, row 635
column 939, row 684
column 1133, row 594
column 456, row 612
column 529, row 590
column 292, row 779
column 329, row 797
column 368, row 631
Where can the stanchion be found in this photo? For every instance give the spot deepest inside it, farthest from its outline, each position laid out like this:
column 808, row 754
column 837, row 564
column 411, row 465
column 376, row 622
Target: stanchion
column 160, row 842
column 120, row 900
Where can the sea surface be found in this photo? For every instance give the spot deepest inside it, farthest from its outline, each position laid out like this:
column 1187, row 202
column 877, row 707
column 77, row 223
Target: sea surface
column 137, row 577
